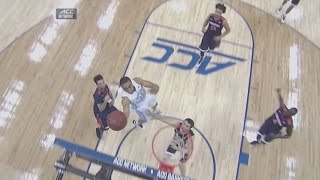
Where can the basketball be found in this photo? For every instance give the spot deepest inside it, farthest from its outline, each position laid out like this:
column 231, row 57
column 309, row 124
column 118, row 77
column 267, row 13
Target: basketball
column 117, row 120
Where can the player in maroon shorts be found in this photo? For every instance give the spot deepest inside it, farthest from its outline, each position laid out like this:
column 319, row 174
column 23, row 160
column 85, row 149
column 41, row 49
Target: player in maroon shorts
column 213, row 34
column 103, row 104
column 271, row 128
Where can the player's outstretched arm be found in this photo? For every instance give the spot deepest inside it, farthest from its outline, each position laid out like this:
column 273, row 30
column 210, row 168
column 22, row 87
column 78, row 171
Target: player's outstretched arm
column 126, row 106
column 166, row 119
column 154, row 88
column 280, row 98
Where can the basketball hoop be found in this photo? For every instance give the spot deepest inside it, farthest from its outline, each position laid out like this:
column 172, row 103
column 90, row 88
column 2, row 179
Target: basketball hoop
column 160, row 142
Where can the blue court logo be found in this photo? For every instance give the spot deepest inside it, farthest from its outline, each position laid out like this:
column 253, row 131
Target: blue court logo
column 193, row 53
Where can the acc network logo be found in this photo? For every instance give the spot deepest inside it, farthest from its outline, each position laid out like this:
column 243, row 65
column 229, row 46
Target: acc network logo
column 206, row 67
column 66, row 13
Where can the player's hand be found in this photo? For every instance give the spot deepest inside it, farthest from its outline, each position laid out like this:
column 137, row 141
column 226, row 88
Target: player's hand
column 149, row 113
column 111, row 103
column 154, row 115
column 203, row 29
column 217, row 38
column 283, row 131
column 107, row 98
column 154, row 89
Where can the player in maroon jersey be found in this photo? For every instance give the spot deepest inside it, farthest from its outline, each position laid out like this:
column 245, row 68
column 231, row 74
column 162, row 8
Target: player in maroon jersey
column 103, row 104
column 182, row 140
column 271, row 128
column 213, row 34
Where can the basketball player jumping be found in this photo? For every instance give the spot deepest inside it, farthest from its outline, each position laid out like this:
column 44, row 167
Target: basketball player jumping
column 103, row 104
column 271, row 128
column 293, row 4
column 212, row 35
column 182, row 140
column 133, row 94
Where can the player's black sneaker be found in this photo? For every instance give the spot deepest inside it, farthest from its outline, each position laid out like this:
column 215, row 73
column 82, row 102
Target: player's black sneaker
column 99, row 133
column 106, row 128
column 254, row 142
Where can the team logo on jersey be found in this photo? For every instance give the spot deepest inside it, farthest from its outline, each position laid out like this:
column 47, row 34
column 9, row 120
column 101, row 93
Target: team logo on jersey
column 141, row 95
column 171, row 47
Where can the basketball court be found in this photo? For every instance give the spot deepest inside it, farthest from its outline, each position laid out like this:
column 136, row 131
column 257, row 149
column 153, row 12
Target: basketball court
column 47, row 66
column 184, row 89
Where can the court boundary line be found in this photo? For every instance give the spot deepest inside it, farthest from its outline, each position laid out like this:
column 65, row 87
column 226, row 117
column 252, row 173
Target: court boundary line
column 125, row 71
column 249, row 82
column 248, row 91
column 248, row 94
column 24, row 33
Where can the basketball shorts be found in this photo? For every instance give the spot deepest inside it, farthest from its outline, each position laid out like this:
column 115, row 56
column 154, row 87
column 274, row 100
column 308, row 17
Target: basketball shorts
column 142, row 108
column 208, row 43
column 102, row 116
column 171, row 150
column 269, row 128
column 295, row 2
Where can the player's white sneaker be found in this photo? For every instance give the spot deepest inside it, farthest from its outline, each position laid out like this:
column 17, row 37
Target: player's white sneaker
column 137, row 124
column 199, row 63
column 283, row 18
column 263, row 140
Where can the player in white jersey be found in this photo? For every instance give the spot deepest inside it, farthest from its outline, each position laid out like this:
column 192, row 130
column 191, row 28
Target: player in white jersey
column 134, row 95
